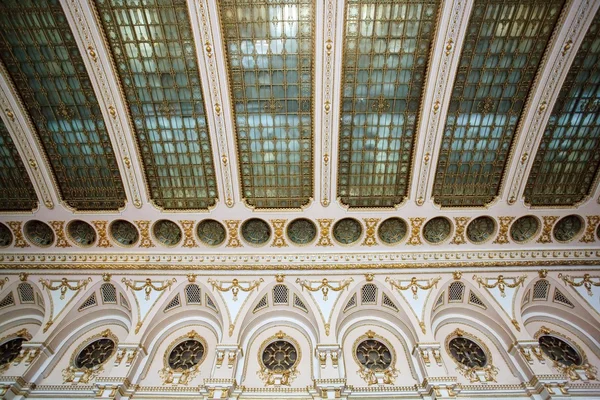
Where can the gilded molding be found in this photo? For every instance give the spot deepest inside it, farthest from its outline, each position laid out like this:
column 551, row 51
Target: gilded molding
column 500, row 282
column 233, row 239
column 502, row 237
column 59, row 229
column 327, row 115
column 586, row 281
column 546, row 235
column 324, row 285
column 370, row 239
column 148, row 285
column 235, row 286
column 414, row 284
column 415, row 231
column 144, row 227
column 15, row 227
column 101, row 227
column 65, row 285
column 325, row 231
column 460, row 226
column 278, row 231
column 590, row 230
column 188, row 234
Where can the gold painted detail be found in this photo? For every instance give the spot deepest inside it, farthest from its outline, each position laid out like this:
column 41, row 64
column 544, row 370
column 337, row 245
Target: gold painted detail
column 235, row 286
column 457, row 275
column 546, row 236
column 414, row 284
column 73, row 374
column 233, row 226
column 10, row 114
column 101, row 227
column 590, row 229
column 324, row 285
column 586, row 281
column 325, row 230
column 415, row 231
column 188, row 232
column 371, row 224
column 376, row 376
column 278, row 230
column 144, row 227
column 500, row 282
column 502, row 237
column 15, row 227
column 182, row 376
column 279, row 377
column 59, row 229
column 3, row 281
column 460, row 224
column 148, row 285
column 64, row 285
column 92, row 53
column 486, row 373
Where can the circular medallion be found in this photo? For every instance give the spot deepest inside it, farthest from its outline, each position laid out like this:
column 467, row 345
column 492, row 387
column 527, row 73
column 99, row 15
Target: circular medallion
column 6, row 236
column 186, row 355
column 374, row 355
column 392, row 230
column 81, row 233
column 560, row 351
column 481, row 229
column 437, row 229
column 524, row 228
column 302, row 231
column 347, row 230
column 279, row 356
column 95, row 353
column 256, row 231
column 211, row 232
column 467, row 352
column 10, row 350
column 124, row 233
column 167, row 232
column 567, row 228
column 39, row 233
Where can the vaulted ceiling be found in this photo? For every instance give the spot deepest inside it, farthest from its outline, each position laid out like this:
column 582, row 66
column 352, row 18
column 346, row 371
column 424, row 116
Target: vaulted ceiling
column 356, row 129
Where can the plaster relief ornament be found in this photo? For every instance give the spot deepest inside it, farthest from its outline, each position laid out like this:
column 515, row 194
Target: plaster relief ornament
column 89, row 358
column 473, row 358
column 302, row 231
column 167, row 232
column 568, row 227
column 392, row 230
column 256, row 231
column 437, row 229
column 566, row 355
column 347, row 230
column 501, row 282
column 586, row 281
column 481, row 229
column 11, row 348
column 414, row 284
column 236, row 286
column 524, row 228
column 39, row 233
column 211, row 232
column 6, row 237
column 183, row 359
column 81, row 233
column 124, row 233
column 324, row 285
column 376, row 360
column 279, row 359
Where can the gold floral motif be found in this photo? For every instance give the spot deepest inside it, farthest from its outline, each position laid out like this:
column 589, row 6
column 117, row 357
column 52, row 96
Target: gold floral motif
column 65, row 285
column 102, row 235
column 324, row 285
column 500, row 283
column 144, row 227
column 546, row 236
column 148, row 285
column 59, row 228
column 15, row 227
column 235, row 286
column 460, row 224
column 233, row 226
column 590, row 230
column 371, row 224
column 414, row 284
column 415, row 231
column 502, row 237
column 325, row 229
column 586, row 281
column 188, row 232
column 278, row 230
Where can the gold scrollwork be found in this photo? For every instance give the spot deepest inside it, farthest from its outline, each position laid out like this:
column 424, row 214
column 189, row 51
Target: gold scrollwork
column 546, row 236
column 236, row 286
column 325, row 228
column 324, row 285
column 586, row 281
column 487, row 372
column 15, row 227
column 385, row 376
column 144, row 227
column 278, row 230
column 370, row 239
column 233, row 226
column 415, row 231
column 73, row 374
column 502, row 237
column 59, row 228
column 179, row 375
column 500, row 282
column 65, row 285
column 592, row 223
column 459, row 231
column 414, row 284
column 102, row 235
column 188, row 232
column 285, row 377
column 148, row 286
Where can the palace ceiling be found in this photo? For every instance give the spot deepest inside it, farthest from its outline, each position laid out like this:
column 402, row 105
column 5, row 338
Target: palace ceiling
column 299, row 132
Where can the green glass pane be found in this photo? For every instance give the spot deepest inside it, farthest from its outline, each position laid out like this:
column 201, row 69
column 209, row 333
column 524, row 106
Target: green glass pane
column 503, row 49
column 43, row 61
column 270, row 60
column 153, row 47
column 16, row 193
column 386, row 52
column 568, row 157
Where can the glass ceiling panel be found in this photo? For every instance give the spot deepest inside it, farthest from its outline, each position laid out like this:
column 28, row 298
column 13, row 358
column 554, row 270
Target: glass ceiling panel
column 16, row 193
column 42, row 58
column 386, row 53
column 152, row 44
column 503, row 48
column 568, row 157
column 270, row 59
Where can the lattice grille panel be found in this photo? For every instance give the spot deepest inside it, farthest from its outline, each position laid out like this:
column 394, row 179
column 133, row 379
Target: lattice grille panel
column 262, row 303
column 7, row 301
column 503, row 49
column 473, row 299
column 210, row 303
column 568, row 156
column 270, row 59
column 124, row 302
column 540, row 290
column 280, row 294
column 559, row 297
column 386, row 51
column 440, row 301
column 109, row 293
column 369, row 294
column 193, row 294
column 456, row 291
column 41, row 56
column 386, row 301
column 90, row 302
column 175, row 302
column 351, row 303
column 26, row 293
column 299, row 303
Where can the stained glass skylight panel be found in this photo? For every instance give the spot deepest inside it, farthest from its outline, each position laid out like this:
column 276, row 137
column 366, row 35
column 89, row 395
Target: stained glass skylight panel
column 41, row 56
column 502, row 52
column 270, row 58
column 568, row 157
column 152, row 45
column 386, row 51
column 16, row 193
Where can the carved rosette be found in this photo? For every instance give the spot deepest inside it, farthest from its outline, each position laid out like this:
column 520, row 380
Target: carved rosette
column 82, row 374
column 183, row 358
column 483, row 371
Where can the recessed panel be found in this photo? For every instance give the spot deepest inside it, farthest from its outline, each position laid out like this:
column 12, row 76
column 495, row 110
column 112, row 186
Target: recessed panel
column 153, row 48
column 568, row 156
column 270, row 58
column 502, row 52
column 39, row 51
column 386, row 53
